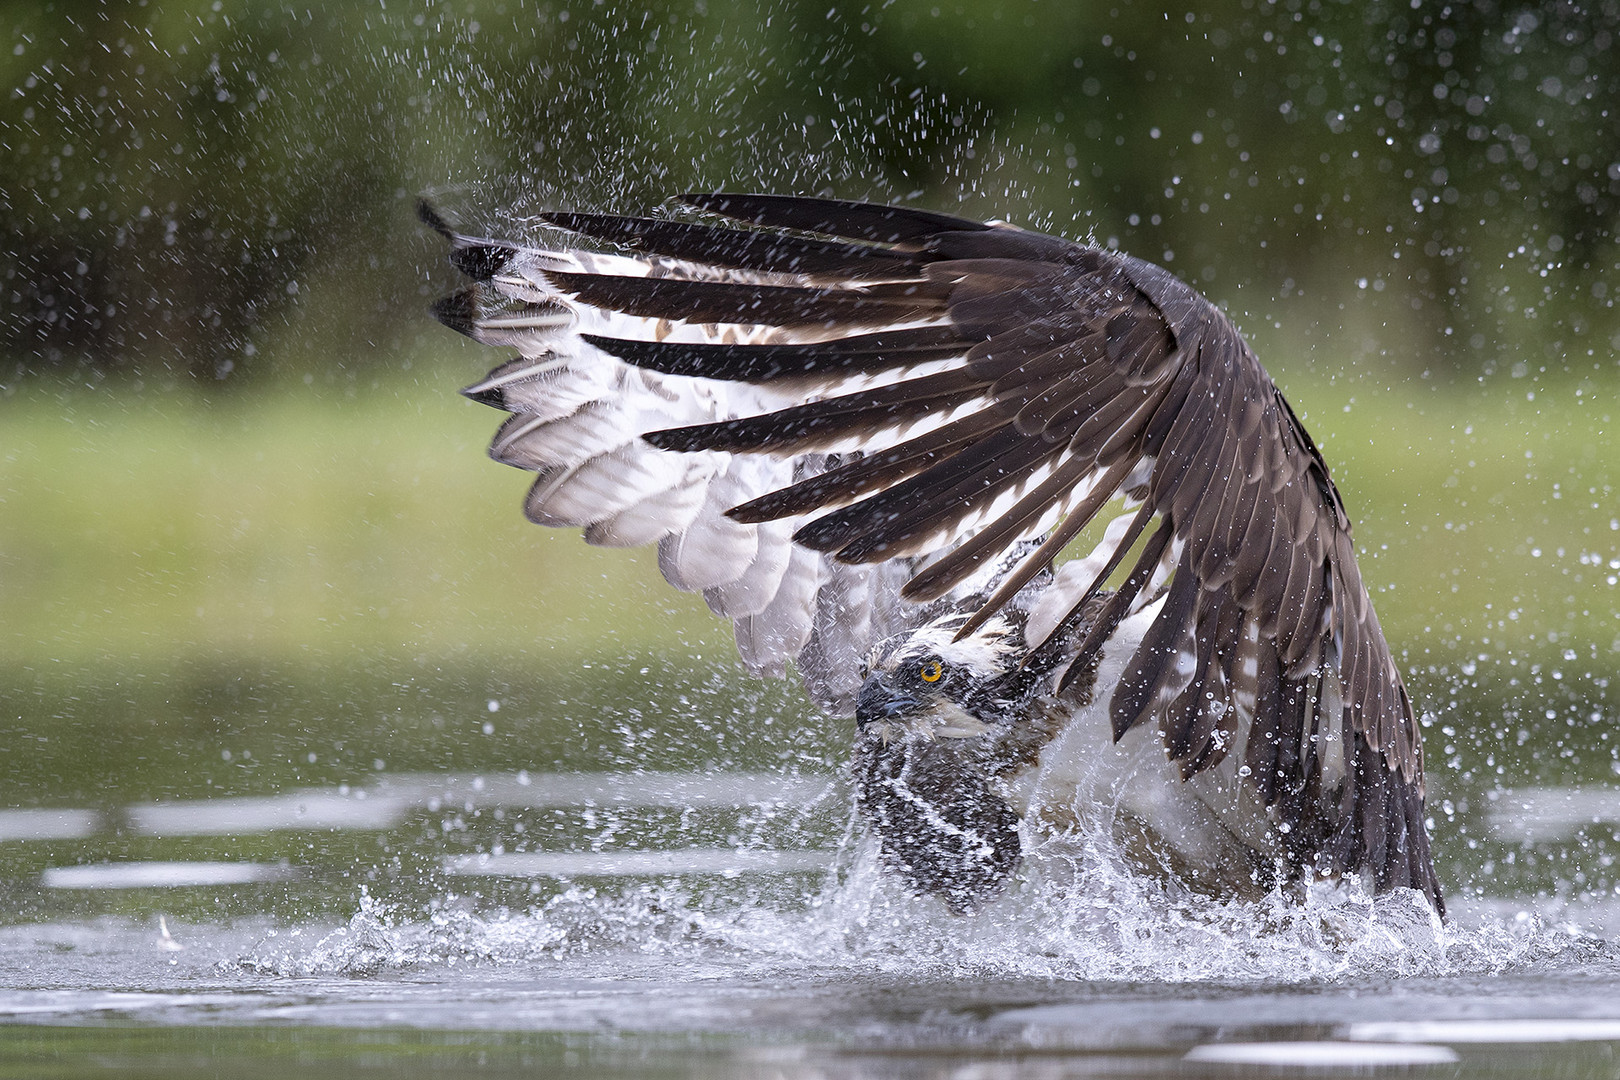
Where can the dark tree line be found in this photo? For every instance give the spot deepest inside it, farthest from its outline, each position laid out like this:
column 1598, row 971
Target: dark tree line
column 189, row 188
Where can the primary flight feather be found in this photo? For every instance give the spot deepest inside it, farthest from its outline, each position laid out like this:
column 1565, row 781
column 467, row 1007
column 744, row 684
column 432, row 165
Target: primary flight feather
column 865, row 433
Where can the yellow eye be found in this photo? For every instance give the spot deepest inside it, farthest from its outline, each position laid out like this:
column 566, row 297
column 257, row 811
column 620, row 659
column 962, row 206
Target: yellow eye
column 932, row 671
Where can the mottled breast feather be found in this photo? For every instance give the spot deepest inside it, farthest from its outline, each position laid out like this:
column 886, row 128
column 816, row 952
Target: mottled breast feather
column 835, row 418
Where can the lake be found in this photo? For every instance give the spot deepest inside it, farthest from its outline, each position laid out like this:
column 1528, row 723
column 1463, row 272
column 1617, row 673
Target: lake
column 647, row 868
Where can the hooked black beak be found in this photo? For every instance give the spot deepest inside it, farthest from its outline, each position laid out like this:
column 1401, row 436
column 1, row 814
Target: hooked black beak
column 877, row 702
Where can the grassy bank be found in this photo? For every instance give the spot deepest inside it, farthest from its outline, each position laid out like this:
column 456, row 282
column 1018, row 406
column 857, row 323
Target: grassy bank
column 146, row 530
column 305, row 524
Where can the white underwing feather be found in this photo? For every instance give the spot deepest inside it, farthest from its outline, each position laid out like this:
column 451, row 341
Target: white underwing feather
column 655, row 516
column 715, row 550
column 606, row 485
column 753, row 592
column 766, row 641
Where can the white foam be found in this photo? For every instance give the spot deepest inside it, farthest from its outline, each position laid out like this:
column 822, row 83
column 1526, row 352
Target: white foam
column 1079, row 917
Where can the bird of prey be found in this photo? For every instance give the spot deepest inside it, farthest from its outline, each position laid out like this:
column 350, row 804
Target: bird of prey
column 865, row 433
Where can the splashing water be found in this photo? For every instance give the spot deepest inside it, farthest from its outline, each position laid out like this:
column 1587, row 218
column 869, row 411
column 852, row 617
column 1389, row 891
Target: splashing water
column 1078, row 918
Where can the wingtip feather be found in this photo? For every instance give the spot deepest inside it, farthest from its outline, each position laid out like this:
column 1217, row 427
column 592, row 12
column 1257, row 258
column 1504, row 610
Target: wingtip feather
column 458, row 311
column 429, row 215
column 493, row 396
column 476, row 257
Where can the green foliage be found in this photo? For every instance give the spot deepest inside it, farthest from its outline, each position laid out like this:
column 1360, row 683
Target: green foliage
column 186, row 187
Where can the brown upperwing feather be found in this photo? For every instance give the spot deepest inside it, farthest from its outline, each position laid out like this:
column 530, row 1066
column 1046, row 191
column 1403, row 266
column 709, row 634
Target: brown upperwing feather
column 815, row 422
column 727, row 302
column 1377, row 713
column 822, row 360
column 876, row 471
column 745, row 249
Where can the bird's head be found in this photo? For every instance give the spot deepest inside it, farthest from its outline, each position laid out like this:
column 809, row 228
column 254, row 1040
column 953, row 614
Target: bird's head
column 925, row 684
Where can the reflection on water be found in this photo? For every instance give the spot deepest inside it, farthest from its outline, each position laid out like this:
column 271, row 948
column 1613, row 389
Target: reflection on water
column 1488, row 1031
column 48, row 824
column 1528, row 815
column 162, row 875
column 616, row 804
column 385, row 804
column 391, row 802
column 1521, row 816
column 1321, row 1055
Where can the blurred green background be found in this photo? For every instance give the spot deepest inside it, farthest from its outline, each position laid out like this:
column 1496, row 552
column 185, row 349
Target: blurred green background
column 247, row 535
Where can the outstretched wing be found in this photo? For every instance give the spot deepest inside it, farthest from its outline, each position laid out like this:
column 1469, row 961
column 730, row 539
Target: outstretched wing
column 825, row 408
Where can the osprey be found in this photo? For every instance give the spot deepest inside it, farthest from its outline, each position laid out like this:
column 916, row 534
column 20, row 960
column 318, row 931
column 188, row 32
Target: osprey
column 864, row 434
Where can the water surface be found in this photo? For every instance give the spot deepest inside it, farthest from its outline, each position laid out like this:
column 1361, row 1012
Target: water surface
column 405, row 886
